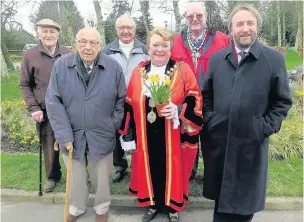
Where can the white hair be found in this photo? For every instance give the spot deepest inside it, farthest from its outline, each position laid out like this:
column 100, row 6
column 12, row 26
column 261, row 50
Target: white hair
column 195, row 5
column 125, row 16
column 88, row 28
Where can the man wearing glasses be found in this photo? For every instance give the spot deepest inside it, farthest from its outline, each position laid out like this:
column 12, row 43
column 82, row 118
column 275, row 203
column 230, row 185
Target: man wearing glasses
column 35, row 74
column 85, row 102
column 128, row 52
column 194, row 46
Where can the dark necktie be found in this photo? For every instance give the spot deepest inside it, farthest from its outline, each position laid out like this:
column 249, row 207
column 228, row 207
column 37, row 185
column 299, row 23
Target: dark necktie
column 242, row 54
column 88, row 69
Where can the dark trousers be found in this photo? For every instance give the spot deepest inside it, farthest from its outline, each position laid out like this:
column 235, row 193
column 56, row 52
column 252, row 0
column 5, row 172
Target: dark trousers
column 119, row 159
column 51, row 157
column 225, row 217
column 195, row 165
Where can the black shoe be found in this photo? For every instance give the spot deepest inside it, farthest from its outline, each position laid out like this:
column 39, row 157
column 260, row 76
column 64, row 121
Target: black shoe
column 173, row 219
column 149, row 215
column 119, row 175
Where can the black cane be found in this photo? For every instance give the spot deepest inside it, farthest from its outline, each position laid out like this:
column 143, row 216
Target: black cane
column 40, row 162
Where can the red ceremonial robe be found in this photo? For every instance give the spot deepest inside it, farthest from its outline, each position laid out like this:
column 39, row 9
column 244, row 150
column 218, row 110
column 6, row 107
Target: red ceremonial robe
column 164, row 156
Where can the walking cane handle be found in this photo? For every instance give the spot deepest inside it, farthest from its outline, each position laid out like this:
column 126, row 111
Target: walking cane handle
column 56, row 146
column 70, row 147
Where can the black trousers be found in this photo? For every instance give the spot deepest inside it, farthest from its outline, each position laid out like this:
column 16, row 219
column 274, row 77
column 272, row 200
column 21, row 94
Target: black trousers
column 51, row 157
column 119, row 160
column 225, row 217
column 195, row 165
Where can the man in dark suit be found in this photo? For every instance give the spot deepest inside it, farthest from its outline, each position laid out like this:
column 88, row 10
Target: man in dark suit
column 246, row 97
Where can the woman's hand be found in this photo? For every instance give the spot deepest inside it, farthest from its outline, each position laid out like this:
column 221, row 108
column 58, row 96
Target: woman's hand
column 169, row 110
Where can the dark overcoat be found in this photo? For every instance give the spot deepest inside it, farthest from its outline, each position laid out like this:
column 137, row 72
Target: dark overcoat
column 244, row 104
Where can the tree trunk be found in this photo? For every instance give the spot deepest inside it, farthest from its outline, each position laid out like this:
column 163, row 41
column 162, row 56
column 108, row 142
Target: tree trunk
column 6, row 56
column 284, row 27
column 68, row 15
column 272, row 25
column 279, row 25
column 144, row 15
column 299, row 38
column 100, row 23
column 177, row 16
column 3, row 65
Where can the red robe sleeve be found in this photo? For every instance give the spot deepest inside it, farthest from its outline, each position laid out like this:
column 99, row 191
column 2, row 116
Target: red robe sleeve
column 127, row 127
column 191, row 111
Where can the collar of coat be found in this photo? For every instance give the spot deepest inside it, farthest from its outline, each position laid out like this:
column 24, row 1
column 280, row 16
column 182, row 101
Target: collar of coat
column 254, row 51
column 147, row 65
column 99, row 61
column 137, row 48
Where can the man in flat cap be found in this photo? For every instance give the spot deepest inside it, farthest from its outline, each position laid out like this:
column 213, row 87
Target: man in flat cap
column 35, row 74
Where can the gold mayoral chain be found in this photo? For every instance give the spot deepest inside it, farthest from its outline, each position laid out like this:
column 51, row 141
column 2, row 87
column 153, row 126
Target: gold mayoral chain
column 195, row 50
column 151, row 117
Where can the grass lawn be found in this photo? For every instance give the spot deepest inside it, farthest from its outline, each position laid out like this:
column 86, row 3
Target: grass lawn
column 293, row 59
column 10, row 90
column 21, row 172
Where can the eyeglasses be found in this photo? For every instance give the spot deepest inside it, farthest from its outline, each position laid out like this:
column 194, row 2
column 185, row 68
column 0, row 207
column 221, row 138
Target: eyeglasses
column 84, row 42
column 121, row 28
column 191, row 17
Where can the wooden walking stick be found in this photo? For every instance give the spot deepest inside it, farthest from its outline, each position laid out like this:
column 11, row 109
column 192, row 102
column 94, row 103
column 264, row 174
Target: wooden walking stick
column 68, row 180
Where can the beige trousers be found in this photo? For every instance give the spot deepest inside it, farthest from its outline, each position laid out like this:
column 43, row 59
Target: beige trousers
column 99, row 172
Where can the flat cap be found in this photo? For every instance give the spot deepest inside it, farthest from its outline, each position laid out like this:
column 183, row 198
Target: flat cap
column 49, row 23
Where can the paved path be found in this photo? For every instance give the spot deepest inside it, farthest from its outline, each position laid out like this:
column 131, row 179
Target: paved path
column 39, row 212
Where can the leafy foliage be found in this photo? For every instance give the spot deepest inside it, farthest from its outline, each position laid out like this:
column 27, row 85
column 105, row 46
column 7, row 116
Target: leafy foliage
column 214, row 16
column 64, row 13
column 119, row 8
column 141, row 32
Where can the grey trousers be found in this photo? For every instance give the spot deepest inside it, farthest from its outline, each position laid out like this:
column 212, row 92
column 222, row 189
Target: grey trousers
column 99, row 172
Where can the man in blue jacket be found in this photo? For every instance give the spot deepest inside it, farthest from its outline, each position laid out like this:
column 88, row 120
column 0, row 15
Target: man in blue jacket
column 85, row 102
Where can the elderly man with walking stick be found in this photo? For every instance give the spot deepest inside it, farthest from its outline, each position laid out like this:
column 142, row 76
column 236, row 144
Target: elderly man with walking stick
column 35, row 74
column 85, row 102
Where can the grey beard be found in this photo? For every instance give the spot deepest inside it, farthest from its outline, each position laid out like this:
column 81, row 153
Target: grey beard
column 243, row 46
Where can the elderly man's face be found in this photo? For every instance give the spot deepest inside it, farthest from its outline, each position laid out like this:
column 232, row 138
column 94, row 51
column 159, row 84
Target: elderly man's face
column 125, row 30
column 196, row 19
column 88, row 45
column 244, row 28
column 48, row 36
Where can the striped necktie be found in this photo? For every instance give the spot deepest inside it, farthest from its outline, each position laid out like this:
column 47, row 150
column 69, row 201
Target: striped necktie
column 88, row 68
column 242, row 54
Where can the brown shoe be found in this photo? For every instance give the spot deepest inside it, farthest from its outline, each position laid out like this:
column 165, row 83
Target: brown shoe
column 102, row 218
column 49, row 186
column 71, row 218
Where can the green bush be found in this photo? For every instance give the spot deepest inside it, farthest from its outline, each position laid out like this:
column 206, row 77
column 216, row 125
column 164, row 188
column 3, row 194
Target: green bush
column 16, row 58
column 18, row 125
column 289, row 140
